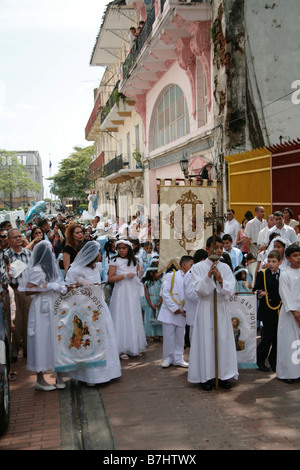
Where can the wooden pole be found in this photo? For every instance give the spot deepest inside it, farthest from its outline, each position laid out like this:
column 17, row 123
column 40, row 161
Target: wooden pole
column 216, row 340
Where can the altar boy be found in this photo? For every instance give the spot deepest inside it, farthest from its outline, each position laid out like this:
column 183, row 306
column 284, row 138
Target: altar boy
column 207, row 277
column 173, row 316
column 288, row 334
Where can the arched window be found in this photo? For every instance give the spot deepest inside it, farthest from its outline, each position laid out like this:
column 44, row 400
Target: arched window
column 172, row 118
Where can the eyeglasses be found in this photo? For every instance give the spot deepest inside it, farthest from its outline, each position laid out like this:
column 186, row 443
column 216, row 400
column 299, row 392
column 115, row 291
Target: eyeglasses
column 3, row 236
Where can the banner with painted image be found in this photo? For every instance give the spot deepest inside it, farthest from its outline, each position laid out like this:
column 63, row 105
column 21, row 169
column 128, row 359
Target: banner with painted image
column 243, row 310
column 79, row 329
column 182, row 227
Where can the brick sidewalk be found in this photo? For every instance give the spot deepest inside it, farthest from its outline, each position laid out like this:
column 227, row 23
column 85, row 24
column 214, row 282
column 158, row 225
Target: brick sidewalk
column 151, row 408
column 34, row 415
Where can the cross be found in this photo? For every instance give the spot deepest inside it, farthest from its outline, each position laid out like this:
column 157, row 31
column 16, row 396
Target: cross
column 211, row 218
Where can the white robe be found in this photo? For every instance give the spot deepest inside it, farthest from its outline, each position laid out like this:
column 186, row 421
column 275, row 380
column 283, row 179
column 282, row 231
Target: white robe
column 288, row 334
column 173, row 324
column 202, row 353
column 112, row 369
column 40, row 331
column 191, row 299
column 125, row 308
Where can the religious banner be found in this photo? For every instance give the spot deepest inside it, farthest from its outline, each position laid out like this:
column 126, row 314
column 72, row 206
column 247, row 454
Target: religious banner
column 183, row 230
column 243, row 310
column 79, row 329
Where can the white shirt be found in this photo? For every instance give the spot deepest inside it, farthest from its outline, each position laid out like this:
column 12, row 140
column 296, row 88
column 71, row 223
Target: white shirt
column 253, row 227
column 262, row 235
column 232, row 227
column 285, row 232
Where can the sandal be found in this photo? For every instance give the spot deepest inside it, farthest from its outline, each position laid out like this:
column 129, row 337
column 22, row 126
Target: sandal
column 124, row 356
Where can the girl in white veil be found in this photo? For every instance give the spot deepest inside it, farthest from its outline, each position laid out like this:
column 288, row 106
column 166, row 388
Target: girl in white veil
column 40, row 280
column 86, row 270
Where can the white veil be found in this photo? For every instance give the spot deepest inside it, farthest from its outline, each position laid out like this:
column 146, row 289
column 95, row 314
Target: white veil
column 42, row 257
column 86, row 255
column 283, row 240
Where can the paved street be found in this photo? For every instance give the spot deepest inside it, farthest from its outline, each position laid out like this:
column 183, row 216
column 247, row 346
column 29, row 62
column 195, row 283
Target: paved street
column 151, row 408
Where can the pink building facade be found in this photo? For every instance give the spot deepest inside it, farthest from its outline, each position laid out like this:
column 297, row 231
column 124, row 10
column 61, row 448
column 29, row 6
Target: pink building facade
column 170, row 80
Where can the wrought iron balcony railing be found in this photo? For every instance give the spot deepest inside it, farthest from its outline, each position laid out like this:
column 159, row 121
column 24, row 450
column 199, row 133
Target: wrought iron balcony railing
column 140, row 41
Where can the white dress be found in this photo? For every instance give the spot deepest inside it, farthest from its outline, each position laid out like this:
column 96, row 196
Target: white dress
column 202, row 353
column 112, row 369
column 288, row 333
column 40, row 353
column 125, row 308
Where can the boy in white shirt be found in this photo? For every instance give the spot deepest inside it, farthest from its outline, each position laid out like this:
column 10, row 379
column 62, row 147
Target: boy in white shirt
column 173, row 315
column 235, row 253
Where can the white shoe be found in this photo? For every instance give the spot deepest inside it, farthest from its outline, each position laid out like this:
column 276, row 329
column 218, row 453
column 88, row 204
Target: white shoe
column 45, row 388
column 166, row 364
column 60, row 386
column 182, row 364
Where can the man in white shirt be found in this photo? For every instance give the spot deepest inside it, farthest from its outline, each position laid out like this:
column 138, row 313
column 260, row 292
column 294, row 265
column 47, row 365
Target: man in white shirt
column 285, row 231
column 255, row 225
column 232, row 226
column 262, row 234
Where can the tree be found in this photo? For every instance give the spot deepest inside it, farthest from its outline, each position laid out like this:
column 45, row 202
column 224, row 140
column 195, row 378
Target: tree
column 72, row 176
column 13, row 176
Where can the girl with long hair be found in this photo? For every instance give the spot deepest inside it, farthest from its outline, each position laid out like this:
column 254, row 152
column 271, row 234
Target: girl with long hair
column 74, row 242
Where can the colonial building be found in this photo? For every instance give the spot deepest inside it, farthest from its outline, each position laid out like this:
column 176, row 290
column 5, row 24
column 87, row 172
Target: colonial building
column 201, row 81
column 32, row 165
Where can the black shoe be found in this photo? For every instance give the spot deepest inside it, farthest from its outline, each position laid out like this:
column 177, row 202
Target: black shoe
column 224, row 384
column 14, row 358
column 263, row 367
column 288, row 381
column 207, row 386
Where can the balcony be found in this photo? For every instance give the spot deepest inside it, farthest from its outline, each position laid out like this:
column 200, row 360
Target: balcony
column 96, row 167
column 118, row 171
column 92, row 128
column 174, row 31
column 116, row 110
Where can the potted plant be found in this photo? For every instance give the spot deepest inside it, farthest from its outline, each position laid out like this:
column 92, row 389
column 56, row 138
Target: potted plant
column 138, row 158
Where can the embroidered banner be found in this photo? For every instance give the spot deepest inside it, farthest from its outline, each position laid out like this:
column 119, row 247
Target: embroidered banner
column 79, row 329
column 243, row 316
column 182, row 228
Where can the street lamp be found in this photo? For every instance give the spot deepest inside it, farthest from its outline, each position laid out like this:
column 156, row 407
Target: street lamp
column 184, row 163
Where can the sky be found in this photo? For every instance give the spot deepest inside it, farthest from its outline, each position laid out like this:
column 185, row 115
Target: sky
column 46, row 80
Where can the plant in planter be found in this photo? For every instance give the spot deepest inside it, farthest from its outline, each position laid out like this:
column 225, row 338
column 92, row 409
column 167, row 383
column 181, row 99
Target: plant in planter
column 117, row 96
column 138, row 158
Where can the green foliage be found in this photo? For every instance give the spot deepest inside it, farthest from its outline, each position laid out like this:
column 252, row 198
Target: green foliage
column 72, row 176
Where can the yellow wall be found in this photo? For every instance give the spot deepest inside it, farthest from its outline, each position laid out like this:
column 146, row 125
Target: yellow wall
column 249, row 180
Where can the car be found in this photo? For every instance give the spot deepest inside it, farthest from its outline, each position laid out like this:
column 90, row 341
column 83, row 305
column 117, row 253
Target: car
column 5, row 359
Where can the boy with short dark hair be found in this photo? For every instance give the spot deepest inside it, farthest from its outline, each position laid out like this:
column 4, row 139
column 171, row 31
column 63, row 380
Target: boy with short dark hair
column 267, row 286
column 235, row 253
column 288, row 337
column 206, row 278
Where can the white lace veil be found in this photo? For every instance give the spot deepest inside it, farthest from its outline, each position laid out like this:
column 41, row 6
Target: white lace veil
column 86, row 255
column 43, row 257
column 283, row 240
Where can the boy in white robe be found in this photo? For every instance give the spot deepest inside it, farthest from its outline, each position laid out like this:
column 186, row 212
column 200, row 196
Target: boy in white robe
column 288, row 334
column 206, row 277
column 173, row 315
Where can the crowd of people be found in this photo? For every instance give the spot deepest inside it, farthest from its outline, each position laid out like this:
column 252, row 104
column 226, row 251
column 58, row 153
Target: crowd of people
column 141, row 304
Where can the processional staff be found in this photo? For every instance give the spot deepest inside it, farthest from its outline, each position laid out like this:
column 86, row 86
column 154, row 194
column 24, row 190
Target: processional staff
column 211, row 218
